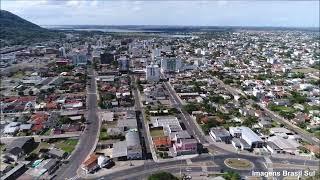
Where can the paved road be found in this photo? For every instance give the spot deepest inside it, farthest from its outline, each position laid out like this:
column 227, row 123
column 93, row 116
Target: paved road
column 87, row 140
column 174, row 167
column 141, row 121
column 38, row 138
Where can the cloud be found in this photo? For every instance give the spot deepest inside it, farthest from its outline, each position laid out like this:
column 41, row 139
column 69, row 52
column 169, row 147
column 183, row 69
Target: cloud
column 122, row 12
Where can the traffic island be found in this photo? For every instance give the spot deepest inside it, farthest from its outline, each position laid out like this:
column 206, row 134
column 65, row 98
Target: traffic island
column 238, row 163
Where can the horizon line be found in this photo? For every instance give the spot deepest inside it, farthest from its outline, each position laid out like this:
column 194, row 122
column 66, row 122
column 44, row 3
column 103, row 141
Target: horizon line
column 250, row 26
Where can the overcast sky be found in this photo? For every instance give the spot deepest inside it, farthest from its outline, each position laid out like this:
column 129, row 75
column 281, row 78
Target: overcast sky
column 125, row 12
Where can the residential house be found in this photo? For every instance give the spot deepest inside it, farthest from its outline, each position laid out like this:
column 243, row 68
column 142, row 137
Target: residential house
column 91, row 164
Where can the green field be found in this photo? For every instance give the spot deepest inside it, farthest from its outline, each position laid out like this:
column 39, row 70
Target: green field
column 67, row 145
column 103, row 135
column 157, row 133
column 237, row 163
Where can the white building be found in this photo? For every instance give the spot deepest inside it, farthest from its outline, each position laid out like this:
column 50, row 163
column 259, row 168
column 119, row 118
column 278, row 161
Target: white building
column 153, row 73
column 62, row 52
column 156, row 53
column 197, row 51
column 247, row 135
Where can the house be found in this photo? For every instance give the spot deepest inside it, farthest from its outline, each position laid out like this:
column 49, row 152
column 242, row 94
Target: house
column 25, row 144
column 185, row 146
column 12, row 128
column 49, row 166
column 14, row 154
column 220, row 134
column 91, row 164
column 265, row 124
column 25, row 127
column 14, row 173
column 247, row 135
column 161, row 142
column 56, row 153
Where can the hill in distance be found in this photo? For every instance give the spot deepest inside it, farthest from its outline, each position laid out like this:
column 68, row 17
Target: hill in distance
column 18, row 31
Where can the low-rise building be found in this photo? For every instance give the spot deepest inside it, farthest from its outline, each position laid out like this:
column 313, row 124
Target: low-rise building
column 91, row 164
column 220, row 134
column 247, row 135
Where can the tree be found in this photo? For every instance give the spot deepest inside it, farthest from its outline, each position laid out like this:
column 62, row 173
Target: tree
column 64, row 120
column 231, row 175
column 249, row 122
column 190, row 107
column 21, row 93
column 162, row 176
column 31, row 93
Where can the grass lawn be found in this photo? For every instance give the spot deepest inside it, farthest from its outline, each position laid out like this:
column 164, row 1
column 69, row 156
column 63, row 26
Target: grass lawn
column 19, row 74
column 238, row 163
column 2, row 146
column 305, row 70
column 103, row 135
column 47, row 132
column 42, row 145
column 157, row 133
column 67, row 145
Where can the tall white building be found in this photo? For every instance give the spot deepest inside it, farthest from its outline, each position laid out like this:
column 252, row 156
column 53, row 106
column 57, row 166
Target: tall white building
column 79, row 58
column 155, row 53
column 153, row 73
column 170, row 64
column 62, row 52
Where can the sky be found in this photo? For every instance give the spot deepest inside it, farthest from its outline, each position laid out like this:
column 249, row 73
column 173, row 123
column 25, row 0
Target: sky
column 277, row 13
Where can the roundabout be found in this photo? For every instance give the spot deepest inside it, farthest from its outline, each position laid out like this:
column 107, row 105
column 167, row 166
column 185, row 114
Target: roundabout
column 238, row 164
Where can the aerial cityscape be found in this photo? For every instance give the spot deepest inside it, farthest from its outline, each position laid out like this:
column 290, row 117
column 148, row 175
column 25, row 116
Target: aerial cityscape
column 86, row 97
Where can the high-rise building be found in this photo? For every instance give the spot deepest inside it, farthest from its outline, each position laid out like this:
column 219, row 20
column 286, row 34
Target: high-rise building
column 153, row 73
column 123, row 64
column 170, row 64
column 79, row 58
column 62, row 52
column 99, row 43
column 156, row 52
column 106, row 57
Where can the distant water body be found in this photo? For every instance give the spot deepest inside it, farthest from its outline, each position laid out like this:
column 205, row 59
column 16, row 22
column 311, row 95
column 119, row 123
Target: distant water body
column 99, row 29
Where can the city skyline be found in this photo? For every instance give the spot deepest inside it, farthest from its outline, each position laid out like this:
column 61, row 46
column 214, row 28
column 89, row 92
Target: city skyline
column 180, row 13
